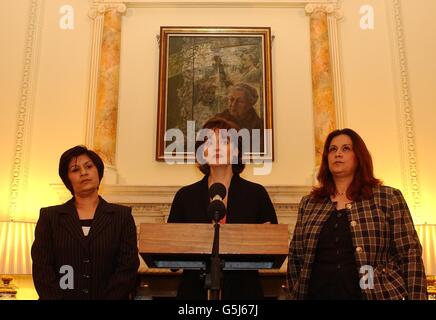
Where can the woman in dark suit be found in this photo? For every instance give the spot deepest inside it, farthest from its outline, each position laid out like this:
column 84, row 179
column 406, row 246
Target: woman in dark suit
column 354, row 237
column 246, row 202
column 85, row 248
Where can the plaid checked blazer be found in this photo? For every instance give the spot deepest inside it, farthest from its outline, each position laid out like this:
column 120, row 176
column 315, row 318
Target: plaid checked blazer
column 383, row 236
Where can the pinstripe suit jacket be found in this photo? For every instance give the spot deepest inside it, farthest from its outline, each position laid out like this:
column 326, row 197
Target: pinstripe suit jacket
column 104, row 263
column 383, row 236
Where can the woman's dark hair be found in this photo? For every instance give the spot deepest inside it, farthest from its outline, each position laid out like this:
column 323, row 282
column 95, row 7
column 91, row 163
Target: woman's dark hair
column 72, row 153
column 222, row 123
column 364, row 180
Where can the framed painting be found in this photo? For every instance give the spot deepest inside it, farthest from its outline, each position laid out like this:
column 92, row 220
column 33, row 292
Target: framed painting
column 202, row 72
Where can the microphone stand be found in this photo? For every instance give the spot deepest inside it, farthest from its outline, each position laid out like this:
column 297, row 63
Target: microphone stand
column 213, row 279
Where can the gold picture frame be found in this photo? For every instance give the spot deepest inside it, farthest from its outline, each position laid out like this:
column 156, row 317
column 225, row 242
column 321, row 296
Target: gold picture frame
column 198, row 66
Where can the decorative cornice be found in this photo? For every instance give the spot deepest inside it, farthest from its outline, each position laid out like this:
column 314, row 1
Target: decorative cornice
column 25, row 105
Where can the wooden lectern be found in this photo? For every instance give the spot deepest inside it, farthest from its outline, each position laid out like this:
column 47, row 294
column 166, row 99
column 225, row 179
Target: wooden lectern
column 189, row 246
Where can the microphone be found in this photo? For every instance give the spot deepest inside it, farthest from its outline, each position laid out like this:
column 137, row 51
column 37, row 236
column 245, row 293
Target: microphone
column 217, row 209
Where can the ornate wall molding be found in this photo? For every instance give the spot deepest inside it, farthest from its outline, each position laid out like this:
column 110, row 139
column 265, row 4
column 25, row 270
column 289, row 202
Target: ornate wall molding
column 132, row 194
column 409, row 163
column 24, row 110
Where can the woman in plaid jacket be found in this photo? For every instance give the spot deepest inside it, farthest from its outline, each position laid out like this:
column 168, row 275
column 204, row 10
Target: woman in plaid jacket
column 354, row 237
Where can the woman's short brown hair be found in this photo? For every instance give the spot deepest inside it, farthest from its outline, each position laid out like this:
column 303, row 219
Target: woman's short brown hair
column 221, row 123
